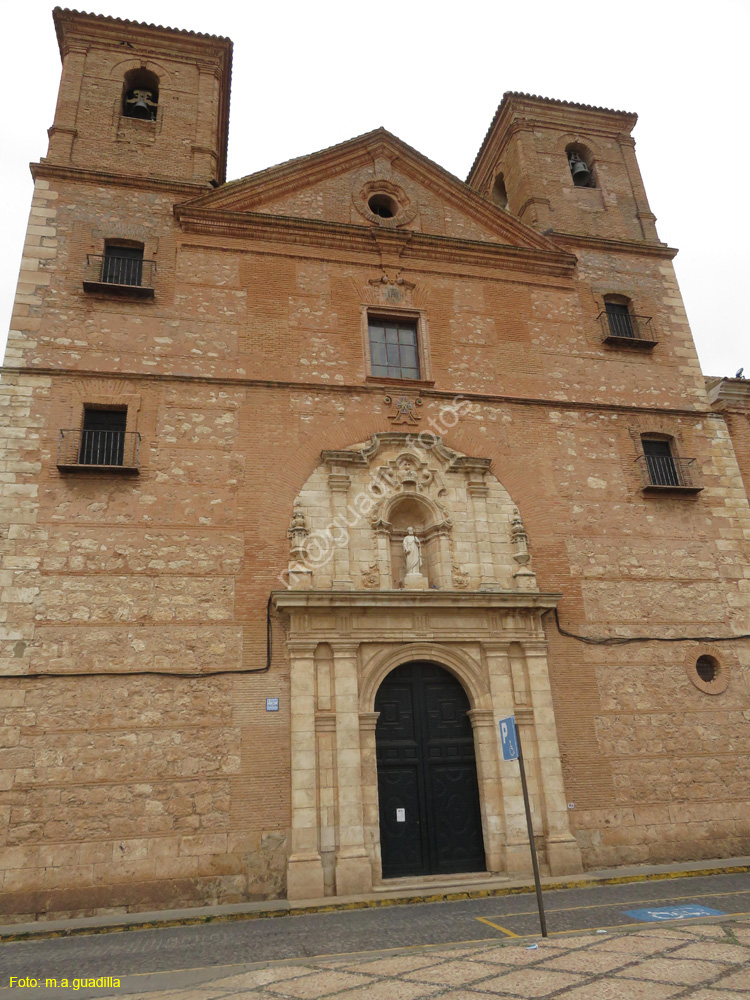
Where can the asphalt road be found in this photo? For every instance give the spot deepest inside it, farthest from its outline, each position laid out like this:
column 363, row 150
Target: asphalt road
column 188, row 955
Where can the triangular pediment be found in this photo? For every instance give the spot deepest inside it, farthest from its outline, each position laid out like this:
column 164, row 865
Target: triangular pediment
column 337, row 185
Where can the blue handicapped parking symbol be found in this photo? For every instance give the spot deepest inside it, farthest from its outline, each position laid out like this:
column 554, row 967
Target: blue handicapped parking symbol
column 675, row 912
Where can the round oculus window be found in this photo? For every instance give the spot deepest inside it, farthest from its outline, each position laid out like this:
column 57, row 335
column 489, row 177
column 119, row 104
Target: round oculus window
column 707, row 672
column 382, row 205
column 707, row 668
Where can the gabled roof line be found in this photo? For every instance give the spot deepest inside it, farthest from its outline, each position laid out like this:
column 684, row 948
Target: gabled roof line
column 258, row 174
column 137, row 24
column 224, row 198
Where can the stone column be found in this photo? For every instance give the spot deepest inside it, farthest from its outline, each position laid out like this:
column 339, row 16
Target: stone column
column 517, row 855
column 488, row 778
column 563, row 852
column 370, row 801
column 478, row 490
column 338, row 483
column 353, row 869
column 304, row 868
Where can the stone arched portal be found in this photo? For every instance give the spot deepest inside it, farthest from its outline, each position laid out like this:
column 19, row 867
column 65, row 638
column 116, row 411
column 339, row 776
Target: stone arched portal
column 428, row 795
column 352, row 621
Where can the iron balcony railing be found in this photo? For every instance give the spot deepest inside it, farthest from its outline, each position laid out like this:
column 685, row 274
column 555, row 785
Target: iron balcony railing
column 123, row 275
column 117, row 451
column 660, row 472
column 621, row 328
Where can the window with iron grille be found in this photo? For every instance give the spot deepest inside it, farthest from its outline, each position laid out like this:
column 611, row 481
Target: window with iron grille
column 394, row 348
column 122, row 265
column 102, row 437
column 619, row 319
column 662, row 468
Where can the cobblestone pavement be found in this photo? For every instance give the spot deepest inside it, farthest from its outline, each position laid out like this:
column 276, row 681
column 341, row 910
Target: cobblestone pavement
column 709, row 961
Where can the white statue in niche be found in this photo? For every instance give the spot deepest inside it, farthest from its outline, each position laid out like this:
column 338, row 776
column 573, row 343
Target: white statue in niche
column 413, row 559
column 412, row 552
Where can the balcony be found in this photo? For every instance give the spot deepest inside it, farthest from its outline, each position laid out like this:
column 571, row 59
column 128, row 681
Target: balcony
column 627, row 330
column 98, row 451
column 119, row 275
column 667, row 474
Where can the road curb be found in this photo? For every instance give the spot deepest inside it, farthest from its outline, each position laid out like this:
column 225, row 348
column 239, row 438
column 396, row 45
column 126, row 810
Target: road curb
column 286, row 909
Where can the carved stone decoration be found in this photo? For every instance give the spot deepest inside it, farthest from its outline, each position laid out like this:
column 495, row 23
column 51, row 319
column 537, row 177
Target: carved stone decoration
column 407, row 472
column 371, row 577
column 524, row 576
column 519, row 538
column 300, row 574
column 297, row 532
column 404, row 410
column 459, row 577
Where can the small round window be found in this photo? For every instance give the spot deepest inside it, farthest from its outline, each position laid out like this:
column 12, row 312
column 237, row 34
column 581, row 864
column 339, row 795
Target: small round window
column 707, row 668
column 707, row 672
column 382, row 205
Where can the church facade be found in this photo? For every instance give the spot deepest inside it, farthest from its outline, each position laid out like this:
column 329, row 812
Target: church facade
column 312, row 477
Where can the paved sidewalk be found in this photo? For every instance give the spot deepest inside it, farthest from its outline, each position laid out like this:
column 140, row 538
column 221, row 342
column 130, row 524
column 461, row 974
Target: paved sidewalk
column 707, row 961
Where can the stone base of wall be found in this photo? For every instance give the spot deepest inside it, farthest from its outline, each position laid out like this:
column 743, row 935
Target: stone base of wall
column 228, row 879
column 654, row 835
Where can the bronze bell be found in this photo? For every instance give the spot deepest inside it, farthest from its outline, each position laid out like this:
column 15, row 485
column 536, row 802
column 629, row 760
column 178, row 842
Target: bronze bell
column 579, row 170
column 140, row 105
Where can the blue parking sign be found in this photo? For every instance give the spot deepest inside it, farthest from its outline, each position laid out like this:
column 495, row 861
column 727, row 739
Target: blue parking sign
column 508, row 738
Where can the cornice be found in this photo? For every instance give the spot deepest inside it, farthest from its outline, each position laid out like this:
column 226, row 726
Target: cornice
column 53, row 171
column 660, row 250
column 360, row 389
column 71, row 26
column 456, row 600
column 348, row 237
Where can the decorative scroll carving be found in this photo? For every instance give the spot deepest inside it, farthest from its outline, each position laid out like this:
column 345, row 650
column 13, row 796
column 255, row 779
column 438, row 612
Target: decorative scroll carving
column 404, row 410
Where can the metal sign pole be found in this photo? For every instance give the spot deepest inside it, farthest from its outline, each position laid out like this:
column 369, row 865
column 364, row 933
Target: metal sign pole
column 532, row 845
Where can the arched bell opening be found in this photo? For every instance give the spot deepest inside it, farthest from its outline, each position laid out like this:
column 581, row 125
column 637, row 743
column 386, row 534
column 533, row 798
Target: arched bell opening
column 428, row 792
column 581, row 164
column 140, row 94
column 499, row 193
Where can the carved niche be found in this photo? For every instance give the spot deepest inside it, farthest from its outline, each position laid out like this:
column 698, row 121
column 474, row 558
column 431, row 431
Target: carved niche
column 351, row 517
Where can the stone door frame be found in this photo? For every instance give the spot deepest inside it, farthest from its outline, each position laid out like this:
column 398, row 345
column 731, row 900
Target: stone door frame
column 342, row 644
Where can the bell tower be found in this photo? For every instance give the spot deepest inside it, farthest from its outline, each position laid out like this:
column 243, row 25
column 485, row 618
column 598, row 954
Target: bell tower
column 565, row 168
column 140, row 100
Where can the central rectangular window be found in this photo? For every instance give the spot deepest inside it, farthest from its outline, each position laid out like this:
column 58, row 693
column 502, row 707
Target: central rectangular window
column 394, row 351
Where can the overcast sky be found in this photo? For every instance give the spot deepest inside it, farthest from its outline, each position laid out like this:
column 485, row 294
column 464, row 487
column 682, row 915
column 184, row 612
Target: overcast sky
column 310, row 74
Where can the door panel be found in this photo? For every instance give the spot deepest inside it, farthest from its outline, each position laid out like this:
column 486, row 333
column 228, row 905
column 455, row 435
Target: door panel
column 426, row 767
column 457, row 824
column 398, row 788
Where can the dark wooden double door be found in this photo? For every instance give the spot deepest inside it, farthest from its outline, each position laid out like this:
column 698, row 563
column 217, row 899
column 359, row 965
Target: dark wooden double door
column 430, row 821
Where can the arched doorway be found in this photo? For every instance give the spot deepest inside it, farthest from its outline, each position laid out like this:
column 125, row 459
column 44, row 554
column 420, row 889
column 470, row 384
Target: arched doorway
column 430, row 821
